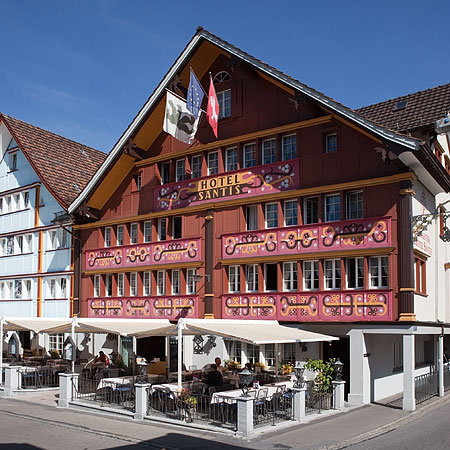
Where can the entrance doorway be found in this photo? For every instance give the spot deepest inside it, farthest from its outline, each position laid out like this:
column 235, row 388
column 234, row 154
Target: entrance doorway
column 340, row 349
column 151, row 348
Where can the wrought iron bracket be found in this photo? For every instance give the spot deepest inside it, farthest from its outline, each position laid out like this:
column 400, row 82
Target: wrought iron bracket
column 421, row 222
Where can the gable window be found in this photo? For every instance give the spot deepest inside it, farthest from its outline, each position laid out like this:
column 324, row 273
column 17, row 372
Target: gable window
column 234, row 279
column 271, row 215
column 420, row 269
column 290, row 276
column 176, row 227
column 224, row 100
column 310, row 275
column 133, row 233
column 290, row 213
column 13, row 161
column 378, row 272
column 332, row 269
column 119, row 236
column 107, row 237
column 251, row 277
column 148, row 231
column 270, row 277
column 249, row 155
column 221, row 77
column 332, row 208
column 120, row 284
column 289, row 147
column 251, row 217
column 161, row 282
column 190, row 282
column 354, row 269
column 231, row 159
column 133, row 284
column 269, row 154
column 196, row 166
column 180, row 170
column 213, row 163
column 165, row 173
column 355, row 209
column 175, row 282
column 331, row 143
column 162, row 229
column 147, row 283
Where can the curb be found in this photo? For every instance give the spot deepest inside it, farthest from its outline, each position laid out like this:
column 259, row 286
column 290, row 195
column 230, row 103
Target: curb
column 389, row 427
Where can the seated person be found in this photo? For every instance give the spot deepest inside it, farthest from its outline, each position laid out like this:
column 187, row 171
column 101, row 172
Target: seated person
column 220, row 368
column 214, row 377
column 101, row 360
column 248, row 366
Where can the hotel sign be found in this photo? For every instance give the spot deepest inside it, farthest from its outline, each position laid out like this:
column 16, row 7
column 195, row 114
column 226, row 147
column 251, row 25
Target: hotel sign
column 267, row 179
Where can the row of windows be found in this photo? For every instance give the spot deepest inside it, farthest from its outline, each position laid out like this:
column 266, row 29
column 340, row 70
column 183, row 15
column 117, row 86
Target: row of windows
column 21, row 289
column 161, row 282
column 233, row 159
column 23, row 243
column 241, row 352
column 14, row 202
column 355, row 275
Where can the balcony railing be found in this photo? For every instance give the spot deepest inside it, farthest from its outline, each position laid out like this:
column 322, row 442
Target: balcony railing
column 345, row 235
column 260, row 180
column 163, row 252
column 312, row 306
column 164, row 307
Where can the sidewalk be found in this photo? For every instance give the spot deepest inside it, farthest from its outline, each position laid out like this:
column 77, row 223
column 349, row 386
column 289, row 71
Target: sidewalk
column 331, row 432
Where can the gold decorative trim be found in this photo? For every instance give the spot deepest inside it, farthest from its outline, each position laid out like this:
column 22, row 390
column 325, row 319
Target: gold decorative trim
column 407, row 290
column 408, row 191
column 209, row 316
column 143, row 268
column 407, row 317
column 446, row 266
column 209, row 295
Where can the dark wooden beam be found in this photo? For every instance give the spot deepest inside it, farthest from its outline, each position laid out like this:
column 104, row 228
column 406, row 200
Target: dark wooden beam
column 131, row 149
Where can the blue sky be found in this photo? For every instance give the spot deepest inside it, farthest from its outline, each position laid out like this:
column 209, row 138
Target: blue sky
column 83, row 69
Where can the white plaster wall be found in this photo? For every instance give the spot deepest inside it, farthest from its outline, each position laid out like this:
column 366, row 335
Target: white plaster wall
column 18, row 308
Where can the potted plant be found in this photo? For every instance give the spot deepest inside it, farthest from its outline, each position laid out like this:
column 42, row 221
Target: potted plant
column 54, row 354
column 186, row 402
column 259, row 366
column 231, row 364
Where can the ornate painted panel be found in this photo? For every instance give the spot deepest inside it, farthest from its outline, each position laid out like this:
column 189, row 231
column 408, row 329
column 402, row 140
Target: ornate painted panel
column 346, row 235
column 324, row 306
column 260, row 180
column 172, row 308
column 165, row 252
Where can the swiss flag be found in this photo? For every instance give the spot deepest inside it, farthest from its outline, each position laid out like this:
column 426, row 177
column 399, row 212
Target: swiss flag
column 212, row 111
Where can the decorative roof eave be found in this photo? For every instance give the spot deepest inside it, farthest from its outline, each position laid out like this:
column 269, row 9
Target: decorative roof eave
column 409, row 143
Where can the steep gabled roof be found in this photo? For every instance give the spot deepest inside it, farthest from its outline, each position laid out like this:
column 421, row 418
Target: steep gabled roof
column 64, row 166
column 202, row 35
column 411, row 111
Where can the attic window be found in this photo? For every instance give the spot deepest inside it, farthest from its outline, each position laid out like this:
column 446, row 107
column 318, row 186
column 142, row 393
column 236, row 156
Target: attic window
column 221, row 77
column 400, row 105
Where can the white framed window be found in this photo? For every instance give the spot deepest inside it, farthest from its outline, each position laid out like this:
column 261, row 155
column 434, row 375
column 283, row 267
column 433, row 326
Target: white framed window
column 3, row 251
column 133, row 233
column 3, row 289
column 175, row 282
column 52, row 239
column 133, row 284
column 269, row 152
column 252, row 353
column 271, row 215
column 147, row 283
column 64, row 243
column 27, row 289
column 289, row 352
column 138, row 181
column 289, row 147
column 311, row 210
column 251, row 217
column 191, row 287
column 224, row 100
column 13, row 161
column 17, row 289
column 52, row 288
column 1, row 205
column 355, row 205
column 108, row 237
column 180, row 169
column 354, row 270
column 251, row 277
column 290, row 276
column 332, row 273
column 331, row 143
column 234, row 350
column 249, row 155
column 269, row 355
column 120, row 284
column 119, row 236
column 148, row 231
column 176, row 227
column 271, row 277
column 56, row 342
column 10, row 245
column 378, row 272
column 234, row 279
column 26, row 199
column 290, row 213
column 96, row 285
column 231, row 159
column 18, row 247
column 162, row 229
column 165, row 173
column 17, row 202
column 213, row 163
column 196, row 166
column 332, row 207
column 63, row 288
column 311, row 275
column 8, row 203
column 108, row 285
column 161, row 282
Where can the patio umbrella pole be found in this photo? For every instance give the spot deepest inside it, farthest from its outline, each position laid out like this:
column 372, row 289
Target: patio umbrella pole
column 72, row 333
column 2, row 321
column 180, row 326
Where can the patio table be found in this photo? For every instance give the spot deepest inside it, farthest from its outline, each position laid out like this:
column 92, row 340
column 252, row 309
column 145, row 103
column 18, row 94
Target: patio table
column 114, row 383
column 172, row 387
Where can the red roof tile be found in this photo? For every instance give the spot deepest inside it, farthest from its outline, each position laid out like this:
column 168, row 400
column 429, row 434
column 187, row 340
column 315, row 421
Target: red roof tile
column 64, row 166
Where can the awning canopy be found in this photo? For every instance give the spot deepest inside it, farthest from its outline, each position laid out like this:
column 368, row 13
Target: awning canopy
column 252, row 331
column 36, row 324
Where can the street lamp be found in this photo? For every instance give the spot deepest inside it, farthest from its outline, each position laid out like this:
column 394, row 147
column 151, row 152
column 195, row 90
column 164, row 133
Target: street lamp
column 299, row 370
column 245, row 377
column 338, row 365
column 142, row 365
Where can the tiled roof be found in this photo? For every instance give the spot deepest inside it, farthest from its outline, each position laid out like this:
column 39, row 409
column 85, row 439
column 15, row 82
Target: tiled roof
column 64, row 166
column 422, row 109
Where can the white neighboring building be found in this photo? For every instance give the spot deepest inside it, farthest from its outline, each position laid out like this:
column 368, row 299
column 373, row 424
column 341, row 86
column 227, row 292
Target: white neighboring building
column 41, row 173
